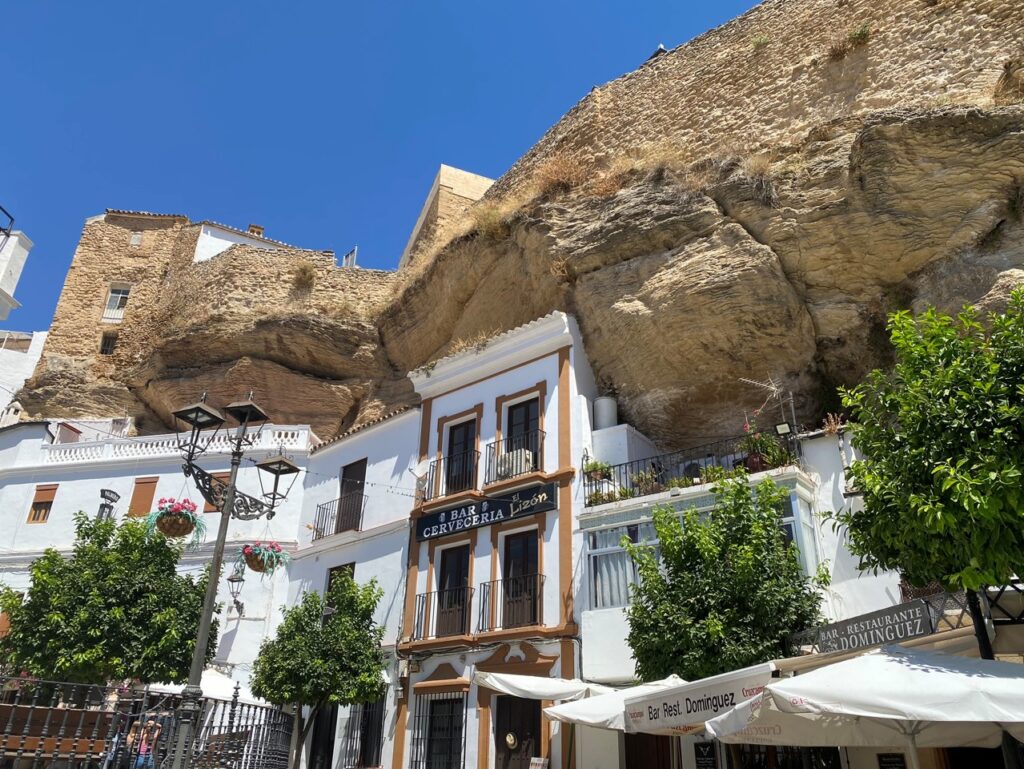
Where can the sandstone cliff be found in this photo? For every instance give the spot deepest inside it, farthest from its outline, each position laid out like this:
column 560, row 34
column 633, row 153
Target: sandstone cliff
column 748, row 205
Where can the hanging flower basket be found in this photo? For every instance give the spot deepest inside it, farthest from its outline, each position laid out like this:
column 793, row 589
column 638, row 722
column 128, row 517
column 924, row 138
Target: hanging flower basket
column 263, row 557
column 176, row 518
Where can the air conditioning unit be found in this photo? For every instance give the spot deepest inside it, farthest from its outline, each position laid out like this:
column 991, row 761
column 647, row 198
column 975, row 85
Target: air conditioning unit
column 515, row 463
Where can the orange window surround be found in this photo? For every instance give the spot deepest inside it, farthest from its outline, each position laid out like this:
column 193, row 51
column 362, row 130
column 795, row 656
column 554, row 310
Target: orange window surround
column 142, row 497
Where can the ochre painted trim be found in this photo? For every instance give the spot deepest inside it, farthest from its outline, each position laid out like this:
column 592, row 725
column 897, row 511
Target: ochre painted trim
column 412, row 573
column 568, row 670
column 443, row 680
column 533, row 662
column 476, row 411
column 465, row 497
column 484, row 698
column 540, row 389
column 401, row 722
column 565, row 490
column 504, row 371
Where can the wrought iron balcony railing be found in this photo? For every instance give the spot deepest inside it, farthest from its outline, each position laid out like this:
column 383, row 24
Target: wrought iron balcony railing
column 513, row 457
column 688, row 467
column 338, row 515
column 513, row 602
column 452, row 474
column 443, row 613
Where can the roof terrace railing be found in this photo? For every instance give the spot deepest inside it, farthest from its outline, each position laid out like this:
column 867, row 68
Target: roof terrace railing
column 688, row 467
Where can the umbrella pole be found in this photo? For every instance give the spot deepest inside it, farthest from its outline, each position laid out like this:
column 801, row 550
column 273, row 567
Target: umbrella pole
column 915, row 760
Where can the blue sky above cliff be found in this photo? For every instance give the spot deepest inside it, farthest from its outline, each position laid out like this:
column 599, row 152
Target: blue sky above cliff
column 325, row 122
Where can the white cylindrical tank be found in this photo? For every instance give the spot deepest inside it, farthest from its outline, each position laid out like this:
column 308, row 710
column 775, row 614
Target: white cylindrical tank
column 606, row 412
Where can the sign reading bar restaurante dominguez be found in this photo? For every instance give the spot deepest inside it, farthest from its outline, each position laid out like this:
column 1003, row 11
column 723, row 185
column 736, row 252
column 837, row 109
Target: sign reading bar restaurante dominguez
column 684, row 709
column 496, row 509
column 892, row 625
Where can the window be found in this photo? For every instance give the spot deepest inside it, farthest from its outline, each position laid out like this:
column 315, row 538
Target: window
column 42, row 502
column 363, row 737
column 521, row 584
column 136, row 240
column 438, row 734
column 142, row 497
column 612, row 570
column 208, row 508
column 453, row 594
column 334, row 571
column 117, row 300
column 460, row 463
column 108, row 342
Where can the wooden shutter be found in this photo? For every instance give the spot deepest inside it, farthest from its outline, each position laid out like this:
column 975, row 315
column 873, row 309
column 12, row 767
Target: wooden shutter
column 42, row 502
column 5, row 625
column 208, row 508
column 142, row 497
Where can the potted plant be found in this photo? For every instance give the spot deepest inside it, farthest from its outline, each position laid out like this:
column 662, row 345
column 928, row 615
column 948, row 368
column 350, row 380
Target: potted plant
column 263, row 557
column 176, row 518
column 597, row 471
column 763, row 451
column 646, row 482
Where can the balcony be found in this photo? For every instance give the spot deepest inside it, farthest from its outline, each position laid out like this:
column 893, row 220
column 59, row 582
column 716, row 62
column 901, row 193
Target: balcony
column 513, row 457
column 338, row 515
column 689, row 467
column 452, row 474
column 442, row 613
column 511, row 603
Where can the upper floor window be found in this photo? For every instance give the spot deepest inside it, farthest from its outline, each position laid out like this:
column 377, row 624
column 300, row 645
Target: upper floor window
column 42, row 502
column 117, row 300
column 136, row 240
column 519, row 450
column 142, row 496
column 108, row 343
column 461, row 458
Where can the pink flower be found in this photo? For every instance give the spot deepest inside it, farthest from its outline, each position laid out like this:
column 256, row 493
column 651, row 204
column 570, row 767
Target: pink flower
column 746, row 427
column 247, row 550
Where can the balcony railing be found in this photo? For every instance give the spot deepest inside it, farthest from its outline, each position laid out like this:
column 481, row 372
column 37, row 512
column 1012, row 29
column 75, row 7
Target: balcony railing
column 688, row 467
column 113, row 314
column 338, row 515
column 452, row 474
column 512, row 602
column 443, row 613
column 512, row 457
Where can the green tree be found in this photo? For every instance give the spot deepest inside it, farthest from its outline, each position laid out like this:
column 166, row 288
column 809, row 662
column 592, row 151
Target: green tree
column 318, row 658
column 726, row 590
column 116, row 609
column 942, row 440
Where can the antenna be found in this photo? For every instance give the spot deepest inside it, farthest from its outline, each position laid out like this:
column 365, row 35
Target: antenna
column 775, row 392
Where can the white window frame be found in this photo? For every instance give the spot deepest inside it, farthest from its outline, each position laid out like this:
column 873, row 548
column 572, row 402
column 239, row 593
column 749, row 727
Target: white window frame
column 117, row 295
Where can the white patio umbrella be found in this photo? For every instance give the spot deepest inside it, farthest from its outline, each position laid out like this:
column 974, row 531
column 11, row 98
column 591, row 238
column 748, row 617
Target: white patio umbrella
column 606, row 711
column 537, row 687
column 890, row 697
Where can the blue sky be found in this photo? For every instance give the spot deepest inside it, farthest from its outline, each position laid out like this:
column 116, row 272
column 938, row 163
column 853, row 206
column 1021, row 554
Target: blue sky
column 325, row 121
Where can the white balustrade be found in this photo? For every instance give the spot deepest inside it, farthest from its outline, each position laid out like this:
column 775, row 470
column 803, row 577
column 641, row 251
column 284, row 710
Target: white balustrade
column 272, row 438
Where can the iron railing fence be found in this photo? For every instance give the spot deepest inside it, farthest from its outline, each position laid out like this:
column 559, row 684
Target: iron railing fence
column 451, row 474
column 86, row 726
column 512, row 457
column 443, row 613
column 512, row 602
column 338, row 515
column 687, row 467
column 1006, row 603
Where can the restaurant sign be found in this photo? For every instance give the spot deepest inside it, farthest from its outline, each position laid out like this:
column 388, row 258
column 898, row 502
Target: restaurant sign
column 684, row 709
column 496, row 509
column 892, row 625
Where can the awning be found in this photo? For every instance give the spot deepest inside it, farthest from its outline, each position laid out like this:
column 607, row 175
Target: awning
column 684, row 709
column 886, row 698
column 605, row 711
column 537, row 687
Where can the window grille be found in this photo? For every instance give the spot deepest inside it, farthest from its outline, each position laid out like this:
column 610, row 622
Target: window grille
column 438, row 738
column 363, row 739
column 108, row 342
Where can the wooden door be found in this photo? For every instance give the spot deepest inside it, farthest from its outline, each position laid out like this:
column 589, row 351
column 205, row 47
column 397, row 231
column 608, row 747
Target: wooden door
column 517, row 732
column 350, row 501
column 453, row 592
column 460, row 469
column 520, row 581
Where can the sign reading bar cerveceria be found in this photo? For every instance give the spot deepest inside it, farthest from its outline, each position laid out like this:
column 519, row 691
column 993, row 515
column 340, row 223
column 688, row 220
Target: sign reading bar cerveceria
column 892, row 625
column 503, row 507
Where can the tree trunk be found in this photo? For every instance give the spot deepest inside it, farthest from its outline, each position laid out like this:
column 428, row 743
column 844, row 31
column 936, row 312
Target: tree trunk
column 1011, row 756
column 297, row 742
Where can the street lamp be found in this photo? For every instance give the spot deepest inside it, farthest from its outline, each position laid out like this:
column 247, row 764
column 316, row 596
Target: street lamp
column 204, row 423
column 106, row 511
column 235, row 582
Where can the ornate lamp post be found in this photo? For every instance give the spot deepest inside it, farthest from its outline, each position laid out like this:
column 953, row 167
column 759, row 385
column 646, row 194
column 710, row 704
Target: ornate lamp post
column 204, row 423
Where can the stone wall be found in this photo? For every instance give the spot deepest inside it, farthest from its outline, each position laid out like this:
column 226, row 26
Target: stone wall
column 770, row 76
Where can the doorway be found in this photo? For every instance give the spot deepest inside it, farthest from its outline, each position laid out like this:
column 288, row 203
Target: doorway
column 521, row 582
column 460, row 470
column 516, row 732
column 453, row 592
column 350, row 501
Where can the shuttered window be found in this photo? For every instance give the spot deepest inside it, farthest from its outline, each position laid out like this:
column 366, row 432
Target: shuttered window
column 208, row 508
column 42, row 502
column 142, row 497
